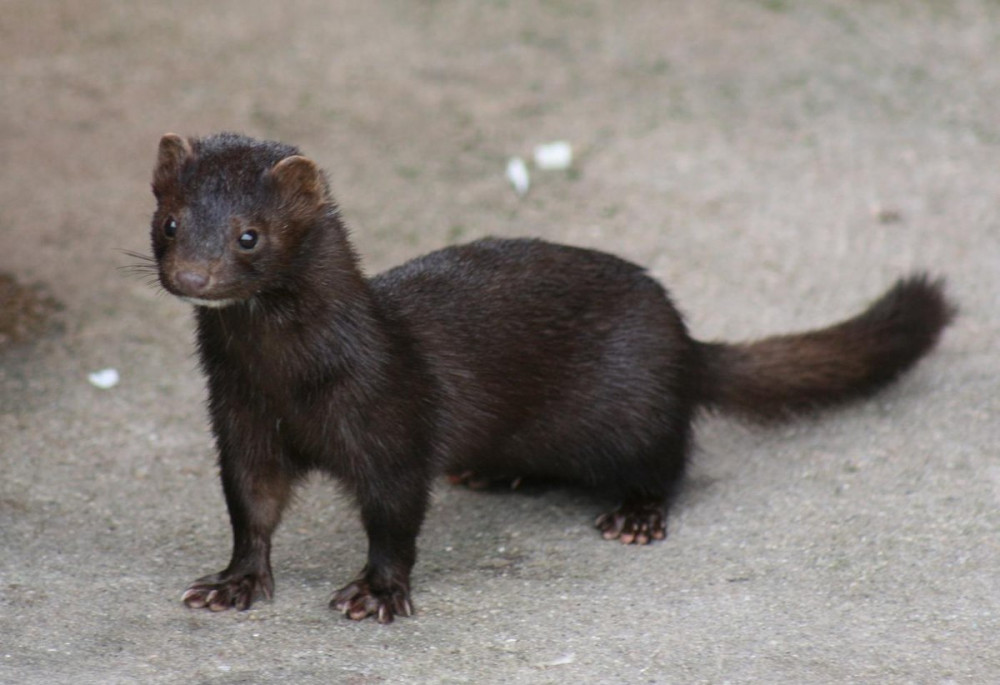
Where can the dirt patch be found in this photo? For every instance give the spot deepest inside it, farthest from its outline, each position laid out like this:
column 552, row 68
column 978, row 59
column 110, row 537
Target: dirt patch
column 26, row 311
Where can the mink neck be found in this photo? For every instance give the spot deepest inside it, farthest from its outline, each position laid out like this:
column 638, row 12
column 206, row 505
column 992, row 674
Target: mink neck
column 323, row 280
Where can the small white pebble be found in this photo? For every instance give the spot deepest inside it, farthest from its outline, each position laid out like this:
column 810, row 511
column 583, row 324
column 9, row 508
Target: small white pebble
column 517, row 174
column 104, row 379
column 555, row 156
column 563, row 660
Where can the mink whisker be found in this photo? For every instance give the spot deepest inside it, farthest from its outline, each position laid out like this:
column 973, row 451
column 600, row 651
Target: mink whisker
column 144, row 266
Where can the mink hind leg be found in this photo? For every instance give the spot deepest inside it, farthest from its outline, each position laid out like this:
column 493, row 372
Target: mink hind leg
column 646, row 487
column 639, row 519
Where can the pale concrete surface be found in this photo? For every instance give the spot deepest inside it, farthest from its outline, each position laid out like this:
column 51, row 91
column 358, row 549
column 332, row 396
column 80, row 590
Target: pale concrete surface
column 776, row 163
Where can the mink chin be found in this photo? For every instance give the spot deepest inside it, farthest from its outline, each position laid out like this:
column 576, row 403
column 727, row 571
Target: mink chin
column 494, row 360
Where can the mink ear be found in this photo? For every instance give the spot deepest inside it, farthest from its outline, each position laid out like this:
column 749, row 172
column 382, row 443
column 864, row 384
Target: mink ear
column 300, row 183
column 174, row 151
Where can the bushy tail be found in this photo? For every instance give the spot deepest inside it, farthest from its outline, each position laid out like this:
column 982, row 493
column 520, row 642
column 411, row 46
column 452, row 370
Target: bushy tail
column 792, row 374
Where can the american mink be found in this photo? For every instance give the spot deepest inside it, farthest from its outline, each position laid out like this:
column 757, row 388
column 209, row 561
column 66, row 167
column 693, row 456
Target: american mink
column 491, row 360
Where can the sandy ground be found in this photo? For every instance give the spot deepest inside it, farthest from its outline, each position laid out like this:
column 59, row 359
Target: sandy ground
column 776, row 164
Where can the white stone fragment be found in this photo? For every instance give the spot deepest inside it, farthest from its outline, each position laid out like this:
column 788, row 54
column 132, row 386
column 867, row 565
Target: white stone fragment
column 555, row 156
column 563, row 660
column 517, row 174
column 104, row 379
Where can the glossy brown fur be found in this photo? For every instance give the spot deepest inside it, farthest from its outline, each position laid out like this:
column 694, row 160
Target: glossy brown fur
column 784, row 375
column 493, row 360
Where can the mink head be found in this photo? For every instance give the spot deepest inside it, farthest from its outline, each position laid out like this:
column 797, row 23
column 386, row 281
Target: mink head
column 233, row 217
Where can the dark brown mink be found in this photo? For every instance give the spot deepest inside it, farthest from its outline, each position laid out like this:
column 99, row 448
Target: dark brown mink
column 492, row 360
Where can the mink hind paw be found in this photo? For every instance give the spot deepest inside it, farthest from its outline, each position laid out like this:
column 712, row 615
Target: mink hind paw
column 474, row 481
column 221, row 591
column 359, row 600
column 633, row 523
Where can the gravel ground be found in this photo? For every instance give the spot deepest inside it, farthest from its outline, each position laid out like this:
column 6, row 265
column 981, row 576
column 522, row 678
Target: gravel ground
column 776, row 164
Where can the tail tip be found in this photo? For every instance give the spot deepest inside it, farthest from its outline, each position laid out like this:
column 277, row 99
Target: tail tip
column 922, row 298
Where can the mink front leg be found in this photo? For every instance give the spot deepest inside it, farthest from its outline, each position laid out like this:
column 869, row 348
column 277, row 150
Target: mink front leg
column 392, row 521
column 257, row 490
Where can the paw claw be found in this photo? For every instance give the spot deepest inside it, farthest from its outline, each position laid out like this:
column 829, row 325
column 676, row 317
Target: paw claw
column 193, row 598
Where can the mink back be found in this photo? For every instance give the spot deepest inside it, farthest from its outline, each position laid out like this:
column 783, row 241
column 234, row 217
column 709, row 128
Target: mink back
column 548, row 359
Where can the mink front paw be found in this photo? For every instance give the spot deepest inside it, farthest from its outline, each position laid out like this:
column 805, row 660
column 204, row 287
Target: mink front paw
column 221, row 591
column 358, row 600
column 633, row 523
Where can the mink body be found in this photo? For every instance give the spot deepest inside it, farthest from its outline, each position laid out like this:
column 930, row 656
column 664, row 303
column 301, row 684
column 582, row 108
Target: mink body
column 492, row 360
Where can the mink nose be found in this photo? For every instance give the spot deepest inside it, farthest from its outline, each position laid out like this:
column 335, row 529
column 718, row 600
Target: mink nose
column 191, row 281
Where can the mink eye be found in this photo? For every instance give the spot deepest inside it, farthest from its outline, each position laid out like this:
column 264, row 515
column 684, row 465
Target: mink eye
column 170, row 227
column 248, row 240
